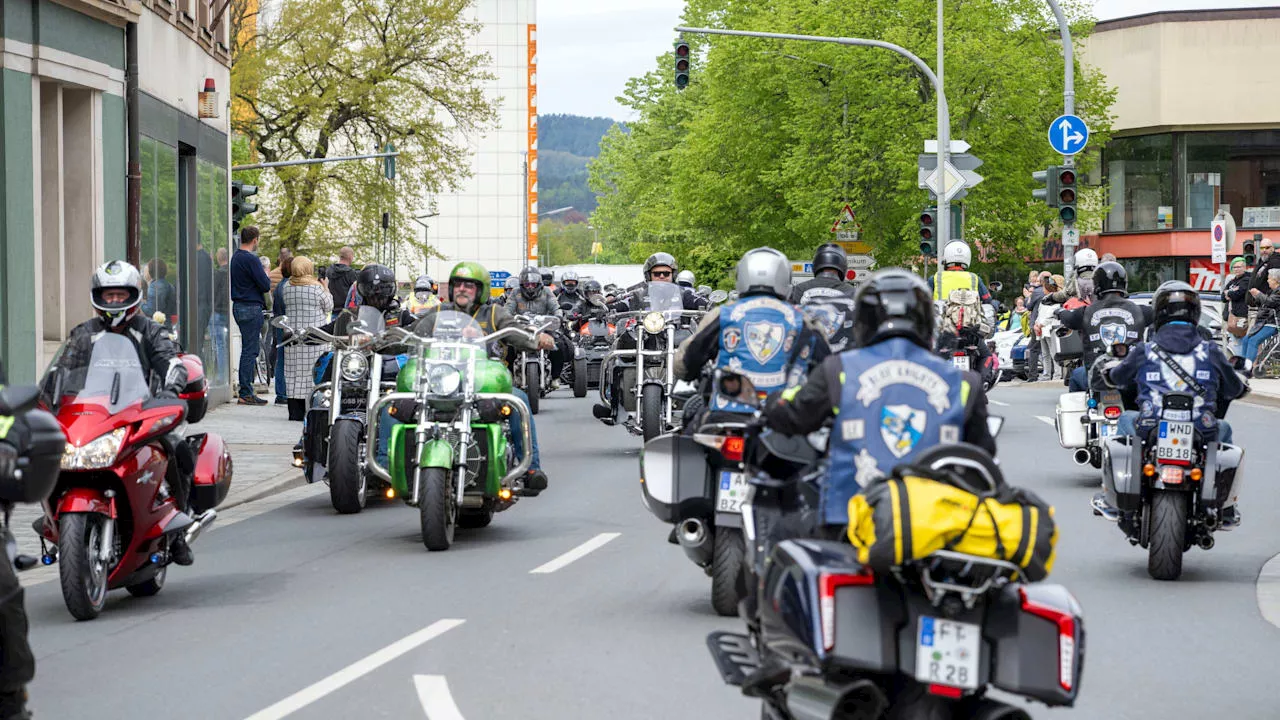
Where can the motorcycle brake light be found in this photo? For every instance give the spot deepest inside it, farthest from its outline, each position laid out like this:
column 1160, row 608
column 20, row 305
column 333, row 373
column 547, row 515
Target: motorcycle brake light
column 1066, row 623
column 732, row 448
column 958, row 353
column 827, row 584
column 945, row 691
column 1112, row 412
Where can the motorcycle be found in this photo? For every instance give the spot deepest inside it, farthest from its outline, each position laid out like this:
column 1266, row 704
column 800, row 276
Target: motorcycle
column 451, row 457
column 593, row 338
column 334, row 435
column 1171, row 485
column 1084, row 420
column 532, row 368
column 110, row 520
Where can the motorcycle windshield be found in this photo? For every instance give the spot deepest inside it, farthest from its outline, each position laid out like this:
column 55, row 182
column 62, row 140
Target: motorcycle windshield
column 665, row 298
column 452, row 329
column 113, row 376
column 370, row 320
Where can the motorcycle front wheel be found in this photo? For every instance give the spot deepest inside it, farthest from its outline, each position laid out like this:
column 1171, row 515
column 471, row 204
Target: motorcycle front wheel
column 82, row 572
column 651, row 411
column 533, row 381
column 437, row 513
column 580, row 378
column 348, row 488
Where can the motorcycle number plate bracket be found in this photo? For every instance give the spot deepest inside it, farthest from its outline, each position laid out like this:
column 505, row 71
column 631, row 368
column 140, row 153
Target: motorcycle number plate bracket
column 961, row 362
column 731, row 491
column 947, row 652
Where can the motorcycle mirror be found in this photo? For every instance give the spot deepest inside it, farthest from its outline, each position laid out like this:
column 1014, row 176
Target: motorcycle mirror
column 994, row 423
column 718, row 296
column 704, row 289
column 19, row 399
column 996, row 286
column 280, row 321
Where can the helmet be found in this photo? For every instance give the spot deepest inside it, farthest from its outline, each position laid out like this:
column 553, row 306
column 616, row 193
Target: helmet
column 830, row 257
column 660, row 258
column 764, row 270
column 116, row 275
column 512, row 283
column 569, row 277
column 893, row 303
column 1176, row 301
column 377, row 286
column 591, row 287
column 1086, row 259
column 548, row 277
column 957, row 253
column 685, row 278
column 424, row 282
column 474, row 272
column 1110, row 277
column 530, row 283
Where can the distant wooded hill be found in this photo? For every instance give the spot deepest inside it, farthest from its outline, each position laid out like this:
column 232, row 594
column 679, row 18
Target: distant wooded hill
column 566, row 143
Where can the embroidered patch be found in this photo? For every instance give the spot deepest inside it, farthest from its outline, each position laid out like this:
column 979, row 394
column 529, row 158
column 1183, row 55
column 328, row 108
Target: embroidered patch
column 903, row 372
column 949, row 434
column 902, row 427
column 853, row 429
column 764, row 339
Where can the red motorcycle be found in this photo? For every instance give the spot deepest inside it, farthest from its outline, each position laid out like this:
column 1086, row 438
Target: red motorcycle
column 110, row 518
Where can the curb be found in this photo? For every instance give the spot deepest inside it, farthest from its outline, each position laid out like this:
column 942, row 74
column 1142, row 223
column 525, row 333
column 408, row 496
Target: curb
column 1261, row 400
column 280, row 482
column 1268, row 591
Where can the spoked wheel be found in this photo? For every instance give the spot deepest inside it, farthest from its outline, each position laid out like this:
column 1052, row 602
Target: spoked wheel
column 82, row 571
column 437, row 510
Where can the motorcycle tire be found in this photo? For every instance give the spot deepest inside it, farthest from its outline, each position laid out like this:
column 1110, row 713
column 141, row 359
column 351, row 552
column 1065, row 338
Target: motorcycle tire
column 728, row 555
column 478, row 518
column 84, row 594
column 533, row 381
column 1168, row 535
column 651, row 411
column 437, row 513
column 580, row 378
column 149, row 588
column 692, row 408
column 348, row 487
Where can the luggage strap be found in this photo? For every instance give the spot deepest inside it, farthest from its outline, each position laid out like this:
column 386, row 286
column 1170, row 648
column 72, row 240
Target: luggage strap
column 1177, row 369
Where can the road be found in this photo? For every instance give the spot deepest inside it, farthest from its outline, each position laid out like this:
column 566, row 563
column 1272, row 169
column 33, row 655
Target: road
column 298, row 610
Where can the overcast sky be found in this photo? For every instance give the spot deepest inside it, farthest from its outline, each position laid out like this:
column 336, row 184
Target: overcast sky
column 587, row 49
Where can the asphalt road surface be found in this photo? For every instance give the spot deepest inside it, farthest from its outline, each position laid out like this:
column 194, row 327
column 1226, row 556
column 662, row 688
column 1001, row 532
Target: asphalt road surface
column 573, row 605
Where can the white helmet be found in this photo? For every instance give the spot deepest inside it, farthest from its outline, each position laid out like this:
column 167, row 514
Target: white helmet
column 1086, row 259
column 685, row 278
column 957, row 253
column 116, row 275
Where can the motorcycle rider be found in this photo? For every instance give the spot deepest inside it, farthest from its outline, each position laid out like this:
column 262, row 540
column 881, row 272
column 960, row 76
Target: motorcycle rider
column 423, row 298
column 115, row 292
column 686, row 279
column 1081, row 285
column 548, row 279
column 591, row 304
column 469, row 293
column 761, row 337
column 660, row 267
column 1176, row 359
column 827, row 297
column 535, row 299
column 956, row 258
column 17, row 662
column 569, row 293
column 890, row 398
column 509, row 288
column 1112, row 318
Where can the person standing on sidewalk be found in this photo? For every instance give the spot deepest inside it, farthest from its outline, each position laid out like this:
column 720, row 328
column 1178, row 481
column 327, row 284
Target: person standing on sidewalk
column 341, row 278
column 249, row 285
column 1237, row 294
column 277, row 310
column 219, row 321
column 310, row 305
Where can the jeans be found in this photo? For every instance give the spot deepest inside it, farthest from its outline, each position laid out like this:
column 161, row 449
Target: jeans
column 1254, row 341
column 1128, row 425
column 218, row 332
column 282, row 389
column 1079, row 380
column 1046, row 358
column 249, row 319
column 517, row 439
column 385, row 423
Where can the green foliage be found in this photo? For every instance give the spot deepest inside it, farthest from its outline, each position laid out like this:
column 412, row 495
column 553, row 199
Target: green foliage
column 758, row 151
column 573, row 134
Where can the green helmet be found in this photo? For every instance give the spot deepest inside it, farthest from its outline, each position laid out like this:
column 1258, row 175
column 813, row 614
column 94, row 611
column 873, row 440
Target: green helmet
column 472, row 271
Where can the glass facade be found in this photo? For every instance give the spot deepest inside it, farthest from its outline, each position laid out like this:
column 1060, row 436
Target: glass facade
column 1177, row 181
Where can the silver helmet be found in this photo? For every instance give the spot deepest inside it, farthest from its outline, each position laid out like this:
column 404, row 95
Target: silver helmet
column 685, row 278
column 764, row 270
column 116, row 275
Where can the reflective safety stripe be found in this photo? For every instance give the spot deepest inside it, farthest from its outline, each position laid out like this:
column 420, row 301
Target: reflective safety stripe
column 6, row 422
column 964, row 392
column 790, row 393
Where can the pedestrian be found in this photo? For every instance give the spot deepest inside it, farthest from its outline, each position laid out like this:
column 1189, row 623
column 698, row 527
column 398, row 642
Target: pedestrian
column 1108, row 257
column 204, row 296
column 310, row 305
column 1267, row 260
column 1033, row 311
column 162, row 297
column 219, row 321
column 1044, row 324
column 279, row 309
column 1265, row 324
column 249, row 285
column 1237, row 294
column 276, row 274
column 342, row 277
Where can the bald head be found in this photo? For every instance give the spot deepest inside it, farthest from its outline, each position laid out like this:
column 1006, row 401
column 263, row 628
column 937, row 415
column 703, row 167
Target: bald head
column 346, row 255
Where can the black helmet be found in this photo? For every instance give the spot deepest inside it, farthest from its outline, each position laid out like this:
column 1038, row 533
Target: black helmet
column 548, row 277
column 1110, row 277
column 661, row 258
column 893, row 303
column 591, row 287
column 830, row 257
column 530, row 283
column 377, row 286
column 1176, row 301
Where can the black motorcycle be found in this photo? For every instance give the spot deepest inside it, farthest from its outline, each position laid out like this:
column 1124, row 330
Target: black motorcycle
column 593, row 337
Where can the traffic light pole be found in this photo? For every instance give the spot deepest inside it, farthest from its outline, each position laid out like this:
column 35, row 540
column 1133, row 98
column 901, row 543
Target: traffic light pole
column 944, row 113
column 1068, row 108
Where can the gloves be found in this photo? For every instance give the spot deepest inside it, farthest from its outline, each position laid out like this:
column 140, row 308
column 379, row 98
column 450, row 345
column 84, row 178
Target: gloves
column 167, row 394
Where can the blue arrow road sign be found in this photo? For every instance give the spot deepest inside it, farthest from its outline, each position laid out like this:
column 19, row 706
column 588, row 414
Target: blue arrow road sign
column 1068, row 134
column 498, row 275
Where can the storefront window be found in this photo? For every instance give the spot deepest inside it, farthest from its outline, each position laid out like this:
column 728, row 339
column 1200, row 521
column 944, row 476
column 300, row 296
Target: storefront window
column 158, row 233
column 1139, row 177
column 211, row 295
column 1236, row 168
column 1146, row 274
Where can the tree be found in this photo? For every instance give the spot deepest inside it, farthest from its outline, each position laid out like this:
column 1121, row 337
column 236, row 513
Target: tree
column 335, row 77
column 757, row 151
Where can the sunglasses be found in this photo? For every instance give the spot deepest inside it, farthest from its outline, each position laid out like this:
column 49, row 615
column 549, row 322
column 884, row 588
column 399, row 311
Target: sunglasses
column 660, row 273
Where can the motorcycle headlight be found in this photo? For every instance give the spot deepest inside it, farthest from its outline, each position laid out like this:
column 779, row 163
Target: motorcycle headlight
column 98, row 454
column 654, row 323
column 354, row 366
column 443, row 379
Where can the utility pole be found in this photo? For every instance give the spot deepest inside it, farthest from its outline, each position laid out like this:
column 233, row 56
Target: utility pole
column 944, row 206
column 1070, row 240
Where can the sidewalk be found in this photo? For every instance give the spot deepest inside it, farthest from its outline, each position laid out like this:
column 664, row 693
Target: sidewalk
column 261, row 440
column 1264, row 392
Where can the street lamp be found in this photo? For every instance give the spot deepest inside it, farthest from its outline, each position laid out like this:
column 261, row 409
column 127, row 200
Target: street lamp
column 426, row 239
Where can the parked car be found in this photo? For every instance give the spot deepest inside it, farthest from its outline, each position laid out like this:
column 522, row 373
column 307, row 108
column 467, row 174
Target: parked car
column 1210, row 310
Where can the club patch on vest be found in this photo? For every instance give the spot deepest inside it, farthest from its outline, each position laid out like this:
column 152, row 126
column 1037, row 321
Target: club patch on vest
column 902, row 427
column 903, row 372
column 1113, row 333
column 764, row 339
column 731, row 339
column 851, row 430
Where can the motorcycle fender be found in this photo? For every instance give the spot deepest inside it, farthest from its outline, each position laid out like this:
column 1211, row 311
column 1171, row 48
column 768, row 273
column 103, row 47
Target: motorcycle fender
column 728, row 520
column 1229, row 475
column 674, row 481
column 1028, row 642
column 359, row 417
column 1122, row 473
column 660, row 382
column 436, row 454
column 84, row 500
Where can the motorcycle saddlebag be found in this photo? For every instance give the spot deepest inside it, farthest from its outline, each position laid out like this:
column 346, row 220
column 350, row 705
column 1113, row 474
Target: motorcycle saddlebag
column 1070, row 411
column 195, row 391
column 907, row 516
column 213, row 472
column 1037, row 634
column 1122, row 472
column 1066, row 347
column 674, row 479
column 37, row 437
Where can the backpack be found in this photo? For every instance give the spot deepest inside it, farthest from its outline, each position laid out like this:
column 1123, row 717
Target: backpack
column 964, row 310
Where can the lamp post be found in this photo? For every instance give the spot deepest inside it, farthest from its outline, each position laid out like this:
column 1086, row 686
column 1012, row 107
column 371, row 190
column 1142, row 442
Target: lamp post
column 426, row 239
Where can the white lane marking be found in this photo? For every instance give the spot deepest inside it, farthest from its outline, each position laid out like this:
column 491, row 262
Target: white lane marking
column 1047, row 420
column 433, row 693
column 997, row 402
column 355, row 671
column 1268, row 591
column 577, row 553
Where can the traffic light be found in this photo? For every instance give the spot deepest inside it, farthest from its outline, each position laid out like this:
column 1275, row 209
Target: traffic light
column 929, row 231
column 682, row 64
column 1067, row 195
column 1048, row 193
column 240, row 207
column 1251, row 250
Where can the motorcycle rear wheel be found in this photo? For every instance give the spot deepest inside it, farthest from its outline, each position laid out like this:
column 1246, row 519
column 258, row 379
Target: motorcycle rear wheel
column 1168, row 535
column 651, row 411
column 729, row 550
column 83, row 575
column 580, row 378
column 533, row 382
column 348, row 488
column 437, row 513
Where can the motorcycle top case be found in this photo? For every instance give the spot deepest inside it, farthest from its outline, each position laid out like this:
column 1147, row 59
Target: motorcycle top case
column 1068, row 347
column 1071, row 409
column 907, row 516
column 37, row 437
column 213, row 472
column 674, row 479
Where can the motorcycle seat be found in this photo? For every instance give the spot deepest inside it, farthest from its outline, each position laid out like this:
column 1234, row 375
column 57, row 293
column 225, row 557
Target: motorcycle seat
column 969, row 467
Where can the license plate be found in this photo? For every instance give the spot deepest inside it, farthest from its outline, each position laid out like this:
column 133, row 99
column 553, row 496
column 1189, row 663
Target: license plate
column 1109, row 398
column 960, row 361
column 947, row 652
column 1107, row 429
column 733, row 490
column 1175, row 441
column 1170, row 474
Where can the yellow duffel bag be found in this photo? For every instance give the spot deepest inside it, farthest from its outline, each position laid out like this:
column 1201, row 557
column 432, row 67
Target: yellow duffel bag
column 907, row 516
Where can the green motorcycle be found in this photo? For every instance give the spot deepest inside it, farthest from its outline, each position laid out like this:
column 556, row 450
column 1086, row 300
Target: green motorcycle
column 450, row 457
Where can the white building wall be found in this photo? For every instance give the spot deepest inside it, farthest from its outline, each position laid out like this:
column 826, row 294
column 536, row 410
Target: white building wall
column 172, row 68
column 485, row 219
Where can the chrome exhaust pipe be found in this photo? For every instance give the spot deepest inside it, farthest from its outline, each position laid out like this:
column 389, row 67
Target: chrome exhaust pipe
column 1206, row 542
column 202, row 523
column 811, row 697
column 696, row 541
column 1081, row 456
